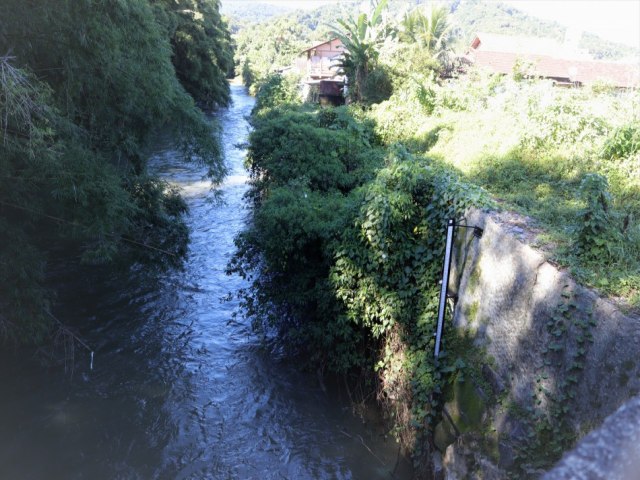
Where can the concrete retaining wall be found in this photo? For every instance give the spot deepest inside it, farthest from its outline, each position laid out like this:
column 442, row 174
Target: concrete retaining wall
column 611, row 452
column 507, row 293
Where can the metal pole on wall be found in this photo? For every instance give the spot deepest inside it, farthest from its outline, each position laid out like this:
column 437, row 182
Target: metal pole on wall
column 446, row 268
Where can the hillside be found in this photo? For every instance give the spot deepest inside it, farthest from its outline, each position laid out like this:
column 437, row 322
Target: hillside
column 249, row 12
column 474, row 16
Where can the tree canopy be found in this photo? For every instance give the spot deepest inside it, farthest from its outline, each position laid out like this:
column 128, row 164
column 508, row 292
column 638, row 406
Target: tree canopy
column 84, row 86
column 362, row 37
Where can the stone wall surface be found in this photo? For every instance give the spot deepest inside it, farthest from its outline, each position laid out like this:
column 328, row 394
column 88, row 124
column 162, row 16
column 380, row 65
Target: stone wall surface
column 611, row 452
column 507, row 293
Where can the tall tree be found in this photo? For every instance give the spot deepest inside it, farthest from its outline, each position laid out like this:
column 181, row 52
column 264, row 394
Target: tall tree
column 202, row 53
column 84, row 84
column 362, row 37
column 429, row 30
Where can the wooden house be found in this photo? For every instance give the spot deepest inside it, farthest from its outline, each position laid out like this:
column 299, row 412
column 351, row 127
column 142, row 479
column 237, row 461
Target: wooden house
column 320, row 61
column 318, row 67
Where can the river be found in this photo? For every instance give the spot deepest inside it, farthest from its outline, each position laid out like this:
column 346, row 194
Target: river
column 179, row 388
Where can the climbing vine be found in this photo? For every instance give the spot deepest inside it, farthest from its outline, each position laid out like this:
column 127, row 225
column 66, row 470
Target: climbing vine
column 550, row 431
column 345, row 251
column 597, row 234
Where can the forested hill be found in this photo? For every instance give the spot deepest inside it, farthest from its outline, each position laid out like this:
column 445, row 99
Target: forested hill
column 248, row 12
column 474, row 16
column 83, row 87
column 270, row 36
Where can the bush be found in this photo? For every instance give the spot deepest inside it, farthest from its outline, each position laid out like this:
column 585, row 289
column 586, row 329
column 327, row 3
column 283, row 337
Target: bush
column 597, row 232
column 560, row 119
column 304, row 166
column 389, row 259
column 324, row 151
column 623, row 142
column 378, row 86
column 276, row 90
column 248, row 76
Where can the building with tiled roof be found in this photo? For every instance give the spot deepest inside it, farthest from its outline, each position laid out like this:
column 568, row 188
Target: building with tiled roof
column 550, row 59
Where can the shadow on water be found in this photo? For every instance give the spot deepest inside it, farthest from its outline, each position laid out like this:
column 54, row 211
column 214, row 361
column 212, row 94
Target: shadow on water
column 178, row 389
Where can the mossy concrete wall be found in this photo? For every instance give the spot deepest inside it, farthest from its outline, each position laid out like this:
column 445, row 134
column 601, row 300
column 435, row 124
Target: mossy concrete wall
column 507, row 296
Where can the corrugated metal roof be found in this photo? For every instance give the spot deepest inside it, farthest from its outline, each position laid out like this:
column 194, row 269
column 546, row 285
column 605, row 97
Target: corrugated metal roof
column 495, row 42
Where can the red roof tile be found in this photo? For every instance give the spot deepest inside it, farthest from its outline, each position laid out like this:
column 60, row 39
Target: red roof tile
column 585, row 72
column 545, row 65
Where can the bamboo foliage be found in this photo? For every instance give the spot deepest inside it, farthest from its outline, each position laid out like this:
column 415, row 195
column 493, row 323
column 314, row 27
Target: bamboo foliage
column 84, row 86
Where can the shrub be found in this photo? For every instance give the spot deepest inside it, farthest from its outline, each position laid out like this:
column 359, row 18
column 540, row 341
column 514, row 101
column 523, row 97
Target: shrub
column 378, row 86
column 623, row 142
column 304, row 165
column 248, row 76
column 597, row 234
column 561, row 120
column 276, row 90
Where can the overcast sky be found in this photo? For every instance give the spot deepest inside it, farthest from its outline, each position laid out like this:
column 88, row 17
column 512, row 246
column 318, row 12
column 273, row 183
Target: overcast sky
column 617, row 20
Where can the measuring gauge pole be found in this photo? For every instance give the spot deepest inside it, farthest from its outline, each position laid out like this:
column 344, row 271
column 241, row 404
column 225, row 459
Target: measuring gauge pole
column 446, row 268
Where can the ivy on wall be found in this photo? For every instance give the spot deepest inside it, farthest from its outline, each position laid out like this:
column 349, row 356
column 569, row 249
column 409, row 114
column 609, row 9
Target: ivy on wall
column 345, row 249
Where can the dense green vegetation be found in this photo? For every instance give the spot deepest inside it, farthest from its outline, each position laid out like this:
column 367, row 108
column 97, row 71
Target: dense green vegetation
column 350, row 203
column 537, row 148
column 202, row 54
column 345, row 247
column 261, row 49
column 83, row 87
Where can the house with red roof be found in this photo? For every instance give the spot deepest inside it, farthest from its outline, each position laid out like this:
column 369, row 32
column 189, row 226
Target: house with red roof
column 550, row 59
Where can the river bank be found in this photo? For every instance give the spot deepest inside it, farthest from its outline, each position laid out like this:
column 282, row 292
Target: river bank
column 180, row 388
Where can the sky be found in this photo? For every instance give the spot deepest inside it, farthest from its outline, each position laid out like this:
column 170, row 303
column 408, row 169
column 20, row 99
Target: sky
column 616, row 20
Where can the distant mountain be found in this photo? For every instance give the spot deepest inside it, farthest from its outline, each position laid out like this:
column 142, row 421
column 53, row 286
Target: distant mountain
column 472, row 16
column 604, row 49
column 243, row 14
column 467, row 16
column 249, row 11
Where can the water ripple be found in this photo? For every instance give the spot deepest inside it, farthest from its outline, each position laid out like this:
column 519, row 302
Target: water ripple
column 181, row 389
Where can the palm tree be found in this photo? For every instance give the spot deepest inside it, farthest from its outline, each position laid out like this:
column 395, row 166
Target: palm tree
column 430, row 31
column 361, row 38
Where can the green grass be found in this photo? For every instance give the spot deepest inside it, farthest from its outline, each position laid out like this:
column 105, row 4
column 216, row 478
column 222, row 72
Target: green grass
column 530, row 146
column 546, row 189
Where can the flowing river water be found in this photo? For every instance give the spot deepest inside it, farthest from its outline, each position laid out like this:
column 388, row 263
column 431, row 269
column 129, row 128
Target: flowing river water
column 179, row 388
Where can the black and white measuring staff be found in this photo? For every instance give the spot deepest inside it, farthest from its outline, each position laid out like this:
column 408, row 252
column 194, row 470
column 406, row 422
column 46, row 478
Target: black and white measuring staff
column 446, row 271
